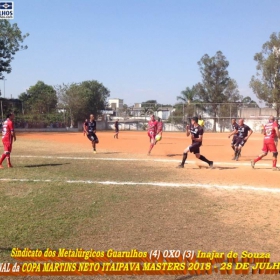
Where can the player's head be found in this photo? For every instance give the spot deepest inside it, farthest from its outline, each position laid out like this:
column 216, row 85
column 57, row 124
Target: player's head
column 271, row 119
column 10, row 116
column 199, row 117
column 233, row 121
column 152, row 117
column 194, row 120
column 276, row 120
column 91, row 117
column 241, row 121
column 159, row 119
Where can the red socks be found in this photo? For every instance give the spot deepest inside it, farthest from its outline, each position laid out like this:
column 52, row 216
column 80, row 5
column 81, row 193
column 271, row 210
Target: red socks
column 257, row 159
column 2, row 158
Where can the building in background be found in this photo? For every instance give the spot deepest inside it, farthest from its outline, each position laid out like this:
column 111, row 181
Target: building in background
column 115, row 103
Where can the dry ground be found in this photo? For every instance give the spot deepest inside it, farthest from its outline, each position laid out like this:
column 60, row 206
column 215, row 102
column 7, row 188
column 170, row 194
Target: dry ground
column 201, row 210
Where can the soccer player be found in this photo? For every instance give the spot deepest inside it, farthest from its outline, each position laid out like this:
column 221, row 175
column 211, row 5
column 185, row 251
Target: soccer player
column 91, row 132
column 243, row 134
column 277, row 136
column 8, row 136
column 196, row 132
column 152, row 130
column 200, row 121
column 159, row 129
column 116, row 129
column 234, row 126
column 270, row 132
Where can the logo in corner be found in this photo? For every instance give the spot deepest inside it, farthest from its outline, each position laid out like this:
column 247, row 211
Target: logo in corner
column 6, row 10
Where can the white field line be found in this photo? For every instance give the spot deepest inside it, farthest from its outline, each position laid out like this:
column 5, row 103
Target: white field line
column 170, row 185
column 216, row 163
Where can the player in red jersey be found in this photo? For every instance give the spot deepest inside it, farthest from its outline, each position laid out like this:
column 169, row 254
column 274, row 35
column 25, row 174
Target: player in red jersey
column 270, row 132
column 159, row 129
column 152, row 130
column 8, row 136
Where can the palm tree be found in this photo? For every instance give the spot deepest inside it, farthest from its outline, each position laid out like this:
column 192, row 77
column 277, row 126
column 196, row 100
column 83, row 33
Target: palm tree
column 155, row 108
column 146, row 111
column 189, row 96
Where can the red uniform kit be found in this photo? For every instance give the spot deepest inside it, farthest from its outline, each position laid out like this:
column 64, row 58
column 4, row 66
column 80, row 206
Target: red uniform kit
column 159, row 127
column 7, row 138
column 270, row 134
column 152, row 129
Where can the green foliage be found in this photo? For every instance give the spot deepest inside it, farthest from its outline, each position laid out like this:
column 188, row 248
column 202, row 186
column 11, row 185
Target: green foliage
column 39, row 99
column 11, row 38
column 267, row 85
column 83, row 99
column 11, row 105
column 189, row 103
column 216, row 86
column 148, row 103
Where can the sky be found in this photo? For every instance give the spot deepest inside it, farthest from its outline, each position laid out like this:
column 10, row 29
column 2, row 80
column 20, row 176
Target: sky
column 138, row 49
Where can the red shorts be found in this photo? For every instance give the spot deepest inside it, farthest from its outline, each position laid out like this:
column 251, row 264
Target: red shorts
column 269, row 147
column 151, row 134
column 7, row 146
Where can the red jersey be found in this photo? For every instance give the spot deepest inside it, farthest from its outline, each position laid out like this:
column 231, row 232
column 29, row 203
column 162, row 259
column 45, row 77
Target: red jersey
column 152, row 126
column 7, row 129
column 270, row 132
column 159, row 127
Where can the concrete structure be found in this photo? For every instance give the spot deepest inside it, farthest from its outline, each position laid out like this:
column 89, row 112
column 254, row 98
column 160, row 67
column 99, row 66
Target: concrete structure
column 115, row 103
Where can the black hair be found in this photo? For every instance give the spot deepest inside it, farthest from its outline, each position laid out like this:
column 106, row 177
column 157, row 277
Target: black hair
column 195, row 119
column 9, row 114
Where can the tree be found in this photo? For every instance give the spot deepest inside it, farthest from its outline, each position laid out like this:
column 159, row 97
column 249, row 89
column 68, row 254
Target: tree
column 39, row 99
column 189, row 98
column 248, row 102
column 155, row 108
column 148, row 103
column 11, row 38
column 216, row 86
column 88, row 97
column 267, row 86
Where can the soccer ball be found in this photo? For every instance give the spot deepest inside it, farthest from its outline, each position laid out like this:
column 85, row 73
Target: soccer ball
column 158, row 137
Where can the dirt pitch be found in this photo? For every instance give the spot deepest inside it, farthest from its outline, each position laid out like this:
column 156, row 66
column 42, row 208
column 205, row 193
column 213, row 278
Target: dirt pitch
column 147, row 204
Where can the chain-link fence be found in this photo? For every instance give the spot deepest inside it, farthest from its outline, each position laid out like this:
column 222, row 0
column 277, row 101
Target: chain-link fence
column 217, row 116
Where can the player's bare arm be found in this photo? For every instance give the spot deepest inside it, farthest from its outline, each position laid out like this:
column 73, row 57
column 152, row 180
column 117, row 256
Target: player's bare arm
column 199, row 139
column 85, row 131
column 13, row 136
column 188, row 132
column 277, row 132
column 249, row 134
column 234, row 132
column 263, row 130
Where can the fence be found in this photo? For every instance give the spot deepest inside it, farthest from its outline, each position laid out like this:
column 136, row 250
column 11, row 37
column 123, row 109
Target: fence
column 217, row 116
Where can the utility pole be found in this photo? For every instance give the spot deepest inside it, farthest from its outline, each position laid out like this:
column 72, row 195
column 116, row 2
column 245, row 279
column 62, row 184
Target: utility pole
column 4, row 86
column 1, row 107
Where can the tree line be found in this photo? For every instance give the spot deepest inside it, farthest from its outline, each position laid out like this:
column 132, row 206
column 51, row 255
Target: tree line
column 62, row 103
